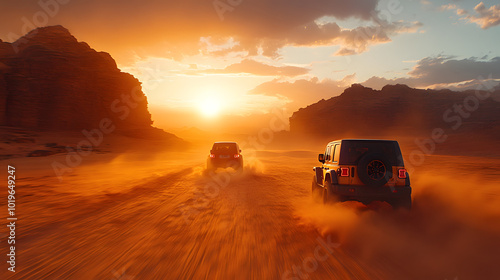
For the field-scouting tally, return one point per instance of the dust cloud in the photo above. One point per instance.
(160, 214)
(451, 232)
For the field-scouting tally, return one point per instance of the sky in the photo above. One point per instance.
(200, 61)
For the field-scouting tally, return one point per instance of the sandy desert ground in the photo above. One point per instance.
(159, 215)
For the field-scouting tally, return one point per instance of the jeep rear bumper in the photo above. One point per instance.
(224, 163)
(367, 194)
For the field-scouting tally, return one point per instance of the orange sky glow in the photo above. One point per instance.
(208, 61)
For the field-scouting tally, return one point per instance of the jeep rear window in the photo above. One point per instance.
(224, 147)
(353, 150)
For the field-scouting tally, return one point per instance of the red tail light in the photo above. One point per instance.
(344, 172)
(402, 173)
(212, 156)
(236, 156)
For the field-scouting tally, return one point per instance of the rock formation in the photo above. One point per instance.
(50, 81)
(362, 111)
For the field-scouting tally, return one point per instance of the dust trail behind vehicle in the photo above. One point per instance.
(179, 222)
(452, 231)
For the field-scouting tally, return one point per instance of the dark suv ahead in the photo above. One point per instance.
(225, 154)
(363, 170)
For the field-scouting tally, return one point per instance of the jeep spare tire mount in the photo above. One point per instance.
(374, 169)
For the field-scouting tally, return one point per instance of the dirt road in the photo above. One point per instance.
(178, 222)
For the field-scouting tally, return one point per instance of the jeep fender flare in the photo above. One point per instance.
(331, 176)
(318, 175)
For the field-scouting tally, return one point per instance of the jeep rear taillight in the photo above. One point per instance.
(236, 156)
(344, 172)
(212, 156)
(402, 173)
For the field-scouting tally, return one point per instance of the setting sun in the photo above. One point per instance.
(210, 106)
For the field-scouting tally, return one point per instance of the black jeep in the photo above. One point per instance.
(363, 170)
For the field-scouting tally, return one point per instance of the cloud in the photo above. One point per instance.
(484, 17)
(250, 66)
(357, 40)
(444, 71)
(352, 41)
(461, 12)
(447, 7)
(481, 84)
(302, 92)
(173, 29)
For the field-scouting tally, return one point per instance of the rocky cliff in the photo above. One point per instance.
(401, 110)
(50, 81)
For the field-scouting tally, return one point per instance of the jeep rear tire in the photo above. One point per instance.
(374, 170)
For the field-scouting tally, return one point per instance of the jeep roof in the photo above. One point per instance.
(353, 149)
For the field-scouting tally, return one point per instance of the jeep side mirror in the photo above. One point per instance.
(240, 150)
(321, 158)
(211, 151)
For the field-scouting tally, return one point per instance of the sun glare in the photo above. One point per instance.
(210, 106)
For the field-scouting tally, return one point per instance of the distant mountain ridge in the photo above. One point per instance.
(50, 81)
(362, 111)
